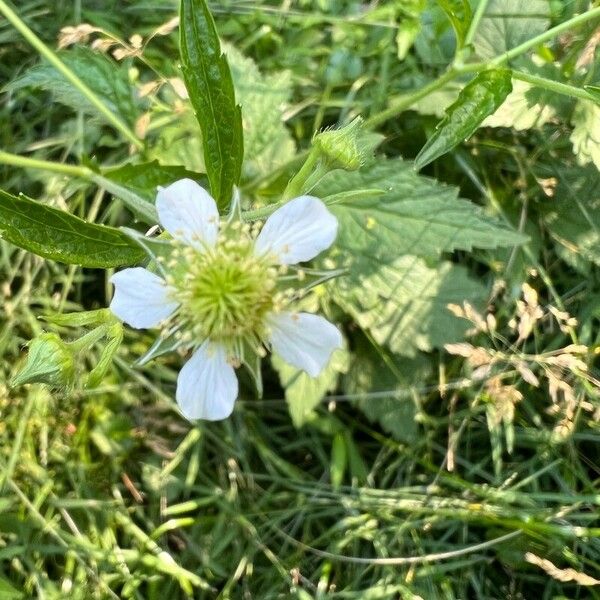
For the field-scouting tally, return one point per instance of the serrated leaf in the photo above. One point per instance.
(508, 23)
(403, 303)
(106, 78)
(302, 392)
(381, 386)
(210, 87)
(61, 236)
(574, 216)
(477, 100)
(412, 214)
(267, 142)
(586, 133)
(180, 141)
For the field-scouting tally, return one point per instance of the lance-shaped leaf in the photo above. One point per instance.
(210, 87)
(61, 236)
(479, 99)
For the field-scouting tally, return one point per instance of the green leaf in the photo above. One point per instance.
(210, 87)
(136, 185)
(586, 133)
(304, 393)
(508, 23)
(403, 303)
(58, 235)
(8, 592)
(574, 216)
(144, 179)
(267, 142)
(525, 107)
(410, 214)
(106, 78)
(439, 100)
(179, 140)
(381, 385)
(138, 205)
(459, 14)
(478, 99)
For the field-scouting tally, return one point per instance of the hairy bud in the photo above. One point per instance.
(341, 148)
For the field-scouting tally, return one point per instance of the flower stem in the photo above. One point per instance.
(410, 99)
(60, 66)
(89, 339)
(295, 186)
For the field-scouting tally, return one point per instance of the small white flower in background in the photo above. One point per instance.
(222, 292)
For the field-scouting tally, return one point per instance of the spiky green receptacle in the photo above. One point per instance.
(224, 292)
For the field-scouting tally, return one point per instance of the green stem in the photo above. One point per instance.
(295, 186)
(410, 99)
(15, 160)
(87, 340)
(554, 86)
(55, 61)
(547, 35)
(460, 69)
(475, 21)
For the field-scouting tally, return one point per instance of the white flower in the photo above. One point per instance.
(221, 290)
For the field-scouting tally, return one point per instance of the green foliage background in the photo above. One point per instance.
(403, 471)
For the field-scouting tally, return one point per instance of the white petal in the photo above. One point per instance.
(305, 341)
(298, 231)
(141, 298)
(207, 386)
(188, 213)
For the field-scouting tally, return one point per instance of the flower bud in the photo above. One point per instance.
(49, 361)
(341, 148)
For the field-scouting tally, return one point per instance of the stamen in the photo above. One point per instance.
(224, 292)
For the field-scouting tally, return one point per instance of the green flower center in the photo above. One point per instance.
(224, 292)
